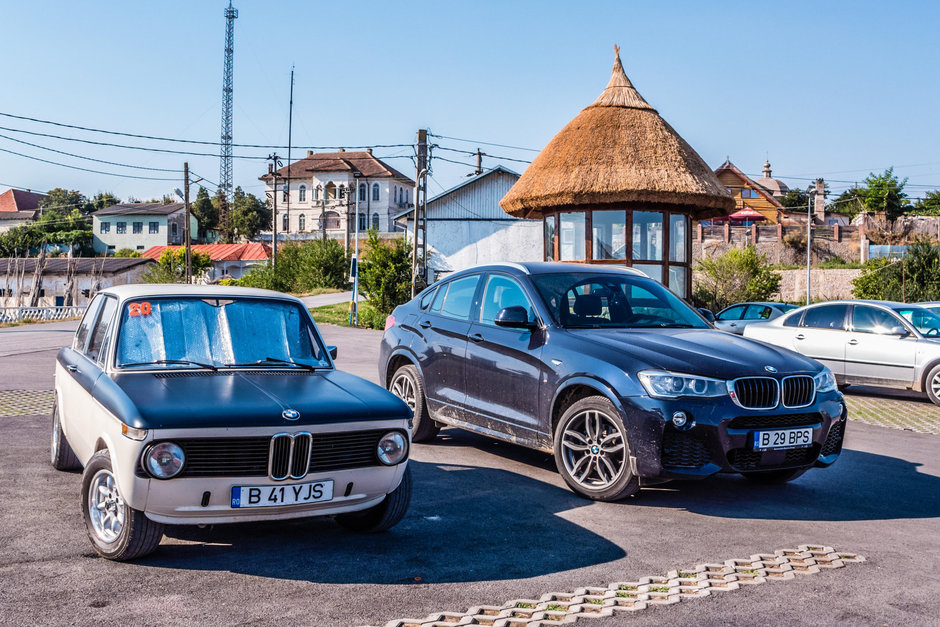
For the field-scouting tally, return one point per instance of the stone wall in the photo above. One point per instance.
(782, 245)
(829, 284)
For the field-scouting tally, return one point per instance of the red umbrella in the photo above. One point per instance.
(747, 214)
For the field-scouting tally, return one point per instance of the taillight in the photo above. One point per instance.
(389, 322)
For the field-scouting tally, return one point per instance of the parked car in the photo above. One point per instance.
(864, 342)
(738, 316)
(626, 384)
(193, 405)
(933, 307)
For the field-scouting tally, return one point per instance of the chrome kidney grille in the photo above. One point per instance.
(289, 455)
(798, 391)
(756, 392)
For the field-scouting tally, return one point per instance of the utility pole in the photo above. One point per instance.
(354, 313)
(421, 187)
(276, 162)
(809, 241)
(479, 169)
(290, 122)
(186, 233)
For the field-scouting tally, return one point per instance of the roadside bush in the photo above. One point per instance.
(385, 274)
(126, 252)
(302, 268)
(738, 275)
(914, 279)
(171, 267)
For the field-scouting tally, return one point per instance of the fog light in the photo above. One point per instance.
(681, 420)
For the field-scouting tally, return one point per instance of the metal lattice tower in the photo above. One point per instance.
(225, 166)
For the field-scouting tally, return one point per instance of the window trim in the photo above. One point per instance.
(533, 302)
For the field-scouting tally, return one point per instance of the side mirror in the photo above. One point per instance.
(515, 317)
(333, 351)
(899, 331)
(707, 314)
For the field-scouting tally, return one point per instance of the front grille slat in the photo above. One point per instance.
(798, 391)
(756, 392)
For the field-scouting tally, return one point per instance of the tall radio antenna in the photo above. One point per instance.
(225, 166)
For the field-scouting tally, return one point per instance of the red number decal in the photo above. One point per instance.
(134, 309)
(145, 308)
(139, 309)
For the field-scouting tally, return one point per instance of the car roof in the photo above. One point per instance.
(890, 304)
(145, 290)
(550, 267)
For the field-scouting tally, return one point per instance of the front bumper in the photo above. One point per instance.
(722, 436)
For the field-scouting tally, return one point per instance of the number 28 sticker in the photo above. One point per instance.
(139, 309)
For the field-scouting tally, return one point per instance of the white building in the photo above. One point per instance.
(466, 226)
(140, 226)
(319, 191)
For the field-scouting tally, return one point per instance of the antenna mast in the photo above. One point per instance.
(225, 166)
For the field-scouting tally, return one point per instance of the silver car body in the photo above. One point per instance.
(735, 318)
(878, 343)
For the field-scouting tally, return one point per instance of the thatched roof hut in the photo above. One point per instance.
(617, 150)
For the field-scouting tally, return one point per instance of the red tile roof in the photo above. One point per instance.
(345, 161)
(251, 251)
(19, 200)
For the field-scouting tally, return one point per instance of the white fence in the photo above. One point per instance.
(21, 314)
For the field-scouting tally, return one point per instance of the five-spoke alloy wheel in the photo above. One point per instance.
(406, 384)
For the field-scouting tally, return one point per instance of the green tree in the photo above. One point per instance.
(795, 198)
(206, 213)
(385, 274)
(848, 203)
(884, 192)
(250, 216)
(55, 226)
(738, 275)
(126, 252)
(102, 200)
(63, 201)
(929, 205)
(171, 266)
(915, 278)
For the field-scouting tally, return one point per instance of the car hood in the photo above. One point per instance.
(704, 352)
(189, 399)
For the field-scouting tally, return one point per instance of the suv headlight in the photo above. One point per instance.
(164, 460)
(825, 380)
(392, 449)
(662, 384)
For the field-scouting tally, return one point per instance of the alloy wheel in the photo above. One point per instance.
(105, 507)
(403, 387)
(593, 450)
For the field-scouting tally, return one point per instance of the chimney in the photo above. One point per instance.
(309, 153)
(819, 202)
(369, 150)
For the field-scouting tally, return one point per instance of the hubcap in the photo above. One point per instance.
(105, 507)
(403, 388)
(593, 450)
(935, 385)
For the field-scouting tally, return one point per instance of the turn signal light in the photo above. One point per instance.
(389, 322)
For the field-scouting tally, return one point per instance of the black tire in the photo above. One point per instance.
(61, 454)
(407, 378)
(137, 535)
(932, 385)
(383, 516)
(608, 475)
(775, 476)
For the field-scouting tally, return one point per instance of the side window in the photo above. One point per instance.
(502, 292)
(81, 336)
(826, 317)
(757, 312)
(793, 320)
(427, 297)
(101, 327)
(459, 297)
(732, 313)
(439, 298)
(873, 320)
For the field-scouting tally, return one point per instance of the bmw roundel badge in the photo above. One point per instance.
(770, 369)
(290, 414)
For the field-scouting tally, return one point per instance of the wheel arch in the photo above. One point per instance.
(400, 357)
(921, 382)
(575, 389)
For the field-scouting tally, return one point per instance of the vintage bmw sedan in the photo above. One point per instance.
(620, 379)
(200, 405)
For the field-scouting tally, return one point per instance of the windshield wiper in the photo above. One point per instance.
(181, 362)
(273, 361)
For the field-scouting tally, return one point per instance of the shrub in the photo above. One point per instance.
(171, 267)
(914, 279)
(126, 252)
(385, 274)
(302, 268)
(738, 275)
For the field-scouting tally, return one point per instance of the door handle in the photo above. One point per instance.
(424, 324)
(853, 342)
(733, 324)
(476, 337)
(72, 368)
(800, 337)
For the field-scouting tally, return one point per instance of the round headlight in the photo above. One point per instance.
(392, 448)
(164, 460)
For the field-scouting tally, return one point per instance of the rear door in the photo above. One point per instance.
(822, 335)
(874, 356)
(728, 319)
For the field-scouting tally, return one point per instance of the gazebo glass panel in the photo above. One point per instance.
(609, 234)
(678, 236)
(647, 235)
(652, 270)
(678, 280)
(571, 233)
(549, 235)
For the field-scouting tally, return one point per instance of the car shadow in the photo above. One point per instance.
(465, 524)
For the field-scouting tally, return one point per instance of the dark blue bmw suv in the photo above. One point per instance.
(625, 383)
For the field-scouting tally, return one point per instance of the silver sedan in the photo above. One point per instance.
(876, 343)
(736, 317)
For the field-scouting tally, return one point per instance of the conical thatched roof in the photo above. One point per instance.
(617, 151)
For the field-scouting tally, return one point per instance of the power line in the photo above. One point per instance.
(471, 141)
(69, 154)
(75, 167)
(485, 154)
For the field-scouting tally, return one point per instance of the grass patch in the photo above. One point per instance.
(623, 587)
(596, 601)
(659, 588)
(338, 314)
(748, 571)
(554, 607)
(317, 291)
(685, 574)
(525, 606)
(626, 595)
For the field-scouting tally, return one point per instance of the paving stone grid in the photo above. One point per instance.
(911, 415)
(556, 608)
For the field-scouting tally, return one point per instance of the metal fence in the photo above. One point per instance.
(892, 251)
(24, 314)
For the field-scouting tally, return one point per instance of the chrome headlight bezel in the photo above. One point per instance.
(825, 381)
(392, 448)
(665, 384)
(163, 460)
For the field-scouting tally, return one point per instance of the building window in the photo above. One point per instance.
(316, 192)
(609, 234)
(140, 248)
(285, 223)
(138, 228)
(571, 236)
(302, 194)
(375, 191)
(332, 220)
(362, 192)
(154, 228)
(173, 230)
(301, 222)
(121, 228)
(105, 227)
(363, 221)
(375, 221)
(648, 237)
(330, 191)
(342, 191)
(749, 193)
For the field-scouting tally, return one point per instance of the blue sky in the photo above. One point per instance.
(833, 89)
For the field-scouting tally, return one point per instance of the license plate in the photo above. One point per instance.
(783, 439)
(278, 495)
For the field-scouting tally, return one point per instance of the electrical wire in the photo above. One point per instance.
(482, 143)
(484, 154)
(75, 167)
(69, 154)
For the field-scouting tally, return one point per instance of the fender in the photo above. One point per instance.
(591, 382)
(920, 383)
(402, 351)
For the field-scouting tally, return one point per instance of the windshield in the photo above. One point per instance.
(925, 321)
(217, 333)
(587, 300)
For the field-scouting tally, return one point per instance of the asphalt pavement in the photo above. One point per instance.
(489, 522)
